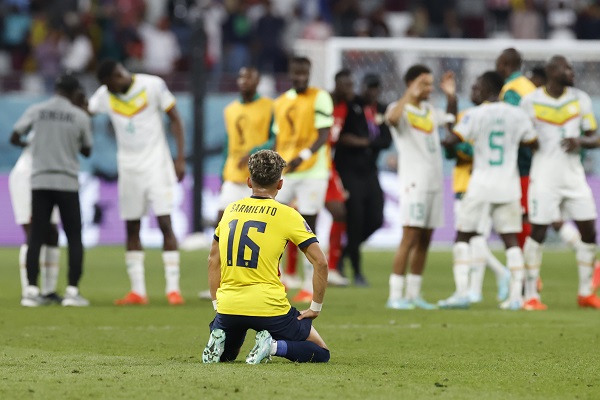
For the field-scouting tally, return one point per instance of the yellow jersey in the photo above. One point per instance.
(464, 164)
(248, 126)
(252, 236)
(298, 118)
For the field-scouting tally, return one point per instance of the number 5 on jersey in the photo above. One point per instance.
(244, 242)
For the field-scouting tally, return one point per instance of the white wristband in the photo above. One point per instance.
(305, 154)
(316, 307)
(214, 304)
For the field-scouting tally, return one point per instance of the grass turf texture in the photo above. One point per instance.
(154, 351)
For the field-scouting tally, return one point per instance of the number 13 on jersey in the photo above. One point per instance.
(244, 243)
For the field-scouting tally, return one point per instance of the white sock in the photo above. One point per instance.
(308, 276)
(50, 256)
(515, 262)
(461, 252)
(72, 291)
(171, 261)
(479, 251)
(585, 252)
(495, 265)
(273, 347)
(413, 286)
(23, 268)
(135, 269)
(532, 252)
(396, 286)
(570, 235)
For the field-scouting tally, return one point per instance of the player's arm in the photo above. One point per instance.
(448, 86)
(384, 139)
(22, 126)
(86, 136)
(589, 139)
(315, 256)
(214, 269)
(461, 132)
(177, 132)
(323, 121)
(347, 137)
(394, 113)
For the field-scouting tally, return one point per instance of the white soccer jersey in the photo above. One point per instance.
(418, 142)
(555, 119)
(137, 117)
(496, 131)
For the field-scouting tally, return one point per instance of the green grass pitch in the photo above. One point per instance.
(153, 352)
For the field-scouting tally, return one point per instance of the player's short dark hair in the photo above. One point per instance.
(372, 80)
(106, 69)
(493, 82)
(414, 72)
(343, 73)
(67, 83)
(266, 167)
(300, 60)
(539, 70)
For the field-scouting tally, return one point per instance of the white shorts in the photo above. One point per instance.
(231, 192)
(139, 191)
(474, 214)
(546, 204)
(422, 209)
(19, 186)
(485, 227)
(309, 194)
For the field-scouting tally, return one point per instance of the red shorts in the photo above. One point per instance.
(524, 191)
(335, 189)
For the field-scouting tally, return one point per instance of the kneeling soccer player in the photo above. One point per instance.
(243, 275)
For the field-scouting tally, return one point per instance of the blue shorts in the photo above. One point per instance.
(283, 327)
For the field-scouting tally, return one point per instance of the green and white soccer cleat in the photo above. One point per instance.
(419, 302)
(455, 302)
(215, 347)
(262, 348)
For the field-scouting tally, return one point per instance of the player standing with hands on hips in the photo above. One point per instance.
(62, 132)
(147, 173)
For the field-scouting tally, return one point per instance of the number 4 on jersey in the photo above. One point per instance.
(244, 242)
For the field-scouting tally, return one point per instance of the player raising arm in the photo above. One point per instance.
(496, 129)
(243, 275)
(414, 125)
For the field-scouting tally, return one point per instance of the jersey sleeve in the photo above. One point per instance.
(166, 99)
(87, 139)
(323, 110)
(512, 97)
(299, 232)
(465, 129)
(217, 232)
(527, 130)
(442, 117)
(24, 124)
(98, 103)
(588, 120)
(527, 106)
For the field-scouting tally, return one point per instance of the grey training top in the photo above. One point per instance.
(61, 131)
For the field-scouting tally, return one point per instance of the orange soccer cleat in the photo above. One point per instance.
(591, 301)
(175, 299)
(534, 304)
(596, 276)
(303, 296)
(132, 298)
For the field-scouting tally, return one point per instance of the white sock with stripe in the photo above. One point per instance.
(135, 269)
(171, 261)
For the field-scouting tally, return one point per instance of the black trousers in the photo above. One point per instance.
(364, 213)
(42, 204)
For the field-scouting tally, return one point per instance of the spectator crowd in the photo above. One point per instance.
(155, 36)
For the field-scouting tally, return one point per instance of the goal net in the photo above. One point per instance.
(391, 57)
